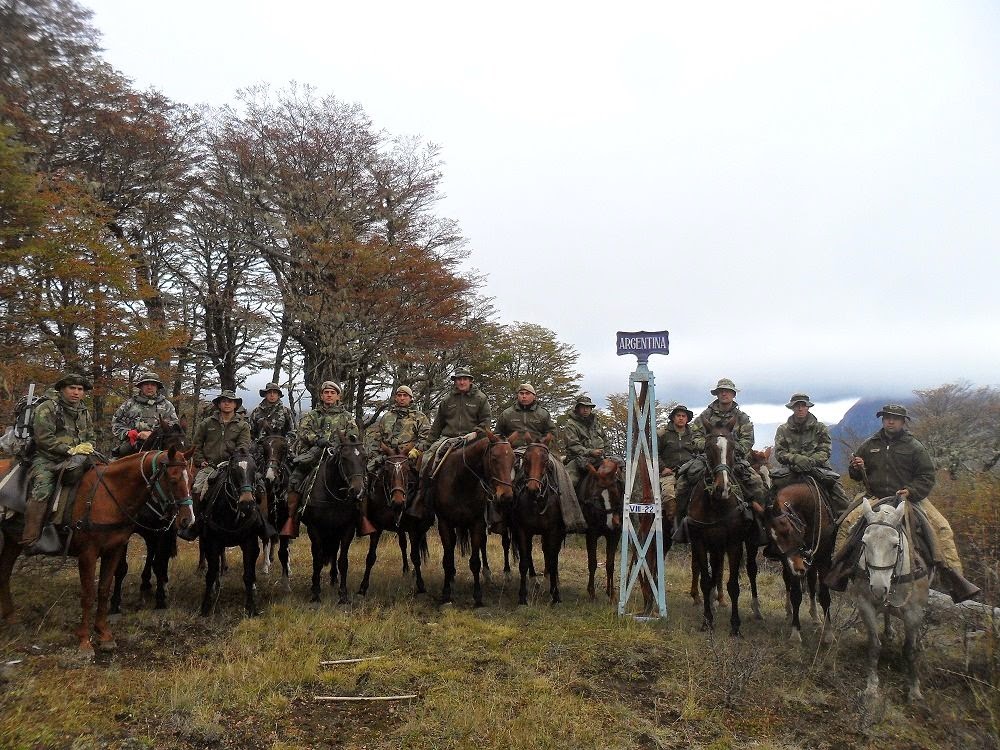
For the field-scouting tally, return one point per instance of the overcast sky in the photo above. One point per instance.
(805, 195)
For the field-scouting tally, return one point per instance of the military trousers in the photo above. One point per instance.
(43, 479)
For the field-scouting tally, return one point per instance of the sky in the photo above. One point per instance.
(804, 194)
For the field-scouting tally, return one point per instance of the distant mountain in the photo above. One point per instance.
(858, 424)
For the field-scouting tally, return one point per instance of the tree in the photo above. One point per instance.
(959, 425)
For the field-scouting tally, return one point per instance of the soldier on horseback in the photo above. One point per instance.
(802, 446)
(137, 417)
(527, 415)
(318, 428)
(584, 440)
(270, 416)
(893, 463)
(62, 428)
(675, 442)
(717, 413)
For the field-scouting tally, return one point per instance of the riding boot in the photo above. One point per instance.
(365, 527)
(416, 508)
(34, 516)
(959, 587)
(291, 527)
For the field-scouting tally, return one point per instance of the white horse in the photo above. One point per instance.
(893, 580)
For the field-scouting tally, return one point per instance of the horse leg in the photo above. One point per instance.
(447, 534)
(794, 588)
(115, 606)
(286, 570)
(163, 545)
(87, 564)
(319, 559)
(342, 562)
(699, 552)
(751, 565)
(146, 579)
(695, 579)
(487, 573)
(614, 538)
(251, 551)
(9, 552)
(475, 564)
(735, 554)
(870, 618)
(418, 541)
(591, 563)
(212, 555)
(401, 536)
(370, 561)
(109, 565)
(811, 579)
(824, 602)
(268, 556)
(912, 617)
(523, 542)
(551, 547)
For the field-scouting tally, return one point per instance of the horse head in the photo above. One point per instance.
(177, 479)
(273, 452)
(884, 553)
(498, 463)
(535, 464)
(720, 450)
(789, 520)
(350, 462)
(394, 475)
(242, 476)
(608, 483)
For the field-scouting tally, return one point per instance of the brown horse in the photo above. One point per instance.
(601, 493)
(468, 477)
(803, 529)
(109, 499)
(389, 490)
(271, 452)
(715, 522)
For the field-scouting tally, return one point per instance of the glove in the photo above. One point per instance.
(322, 443)
(414, 454)
(82, 449)
(597, 453)
(471, 436)
(133, 436)
(802, 463)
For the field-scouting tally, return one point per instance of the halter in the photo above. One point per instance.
(399, 464)
(896, 566)
(336, 452)
(233, 502)
(799, 524)
(544, 485)
(488, 462)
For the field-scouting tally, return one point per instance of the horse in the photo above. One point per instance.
(390, 488)
(803, 529)
(895, 582)
(156, 527)
(461, 484)
(272, 451)
(231, 517)
(536, 510)
(601, 492)
(332, 511)
(109, 499)
(715, 523)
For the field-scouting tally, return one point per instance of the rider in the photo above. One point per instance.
(894, 463)
(401, 425)
(137, 417)
(716, 414)
(527, 415)
(217, 437)
(675, 442)
(270, 416)
(584, 439)
(318, 428)
(802, 446)
(62, 428)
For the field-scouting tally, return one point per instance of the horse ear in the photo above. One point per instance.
(172, 450)
(767, 453)
(188, 453)
(867, 508)
(898, 513)
(591, 469)
(547, 439)
(490, 434)
(387, 450)
(731, 424)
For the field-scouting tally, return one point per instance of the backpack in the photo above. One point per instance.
(19, 440)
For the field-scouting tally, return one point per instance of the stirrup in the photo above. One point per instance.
(48, 542)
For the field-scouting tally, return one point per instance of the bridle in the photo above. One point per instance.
(799, 524)
(488, 461)
(394, 467)
(544, 486)
(336, 453)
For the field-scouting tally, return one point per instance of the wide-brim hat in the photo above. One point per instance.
(681, 407)
(462, 372)
(272, 387)
(331, 384)
(799, 398)
(148, 377)
(527, 387)
(405, 389)
(725, 385)
(231, 395)
(583, 401)
(72, 378)
(893, 410)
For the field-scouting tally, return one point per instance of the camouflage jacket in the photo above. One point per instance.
(743, 432)
(580, 437)
(675, 448)
(215, 442)
(802, 447)
(461, 413)
(58, 426)
(324, 422)
(517, 418)
(895, 462)
(399, 426)
(270, 419)
(141, 413)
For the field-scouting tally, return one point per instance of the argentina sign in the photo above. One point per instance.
(643, 343)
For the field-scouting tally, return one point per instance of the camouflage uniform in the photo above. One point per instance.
(318, 428)
(398, 426)
(517, 418)
(270, 419)
(58, 426)
(581, 436)
(675, 449)
(141, 414)
(805, 450)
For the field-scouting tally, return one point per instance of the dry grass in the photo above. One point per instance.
(571, 676)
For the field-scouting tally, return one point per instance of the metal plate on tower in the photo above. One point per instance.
(643, 343)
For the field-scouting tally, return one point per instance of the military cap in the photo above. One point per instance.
(527, 387)
(798, 398)
(462, 372)
(72, 378)
(272, 387)
(231, 395)
(330, 384)
(893, 410)
(405, 389)
(149, 377)
(681, 407)
(583, 400)
(725, 384)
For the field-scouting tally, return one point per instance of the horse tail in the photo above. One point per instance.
(515, 551)
(464, 541)
(424, 552)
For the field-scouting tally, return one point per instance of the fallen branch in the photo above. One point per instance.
(348, 698)
(349, 661)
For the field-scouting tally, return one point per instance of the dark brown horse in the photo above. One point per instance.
(536, 511)
(601, 493)
(802, 526)
(468, 477)
(272, 458)
(390, 487)
(108, 502)
(715, 522)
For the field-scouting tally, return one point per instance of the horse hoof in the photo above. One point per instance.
(915, 696)
(315, 604)
(735, 633)
(487, 576)
(522, 601)
(114, 616)
(254, 612)
(107, 645)
(285, 585)
(827, 638)
(795, 636)
(478, 605)
(85, 654)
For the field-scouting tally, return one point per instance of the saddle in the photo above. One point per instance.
(14, 488)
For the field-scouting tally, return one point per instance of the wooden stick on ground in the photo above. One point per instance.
(347, 698)
(349, 661)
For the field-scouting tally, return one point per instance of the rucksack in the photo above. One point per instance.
(19, 440)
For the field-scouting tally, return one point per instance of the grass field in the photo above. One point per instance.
(570, 676)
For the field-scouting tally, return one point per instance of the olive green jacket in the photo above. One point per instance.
(517, 418)
(58, 426)
(895, 462)
(215, 442)
(581, 437)
(802, 447)
(675, 448)
(461, 413)
(400, 426)
(743, 433)
(325, 422)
